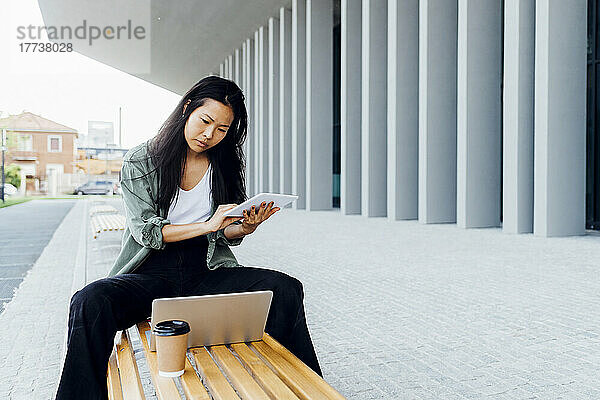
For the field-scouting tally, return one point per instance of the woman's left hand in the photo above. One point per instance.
(255, 217)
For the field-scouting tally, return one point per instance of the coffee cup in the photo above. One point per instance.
(171, 347)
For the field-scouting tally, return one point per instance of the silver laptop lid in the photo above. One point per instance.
(216, 319)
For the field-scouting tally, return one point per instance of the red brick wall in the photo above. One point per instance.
(40, 150)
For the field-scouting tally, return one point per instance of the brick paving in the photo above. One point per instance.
(397, 310)
(401, 310)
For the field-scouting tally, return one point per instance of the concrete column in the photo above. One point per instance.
(226, 63)
(250, 104)
(437, 111)
(373, 109)
(560, 117)
(243, 87)
(246, 74)
(273, 102)
(222, 70)
(257, 112)
(403, 110)
(299, 102)
(479, 136)
(263, 132)
(285, 100)
(230, 67)
(319, 104)
(519, 62)
(236, 66)
(350, 108)
(242, 66)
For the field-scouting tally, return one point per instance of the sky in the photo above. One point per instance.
(72, 89)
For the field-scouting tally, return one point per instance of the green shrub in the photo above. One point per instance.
(12, 175)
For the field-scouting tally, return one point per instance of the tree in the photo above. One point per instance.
(12, 175)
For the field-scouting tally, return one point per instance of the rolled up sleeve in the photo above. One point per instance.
(229, 242)
(142, 218)
(152, 232)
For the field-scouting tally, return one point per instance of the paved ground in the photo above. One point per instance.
(404, 310)
(397, 310)
(25, 230)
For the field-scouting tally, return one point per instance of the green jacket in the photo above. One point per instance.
(144, 220)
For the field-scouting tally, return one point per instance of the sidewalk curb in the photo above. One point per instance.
(78, 276)
(79, 272)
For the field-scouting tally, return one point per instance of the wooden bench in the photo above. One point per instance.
(256, 370)
(105, 218)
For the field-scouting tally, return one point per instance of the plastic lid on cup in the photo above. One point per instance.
(172, 327)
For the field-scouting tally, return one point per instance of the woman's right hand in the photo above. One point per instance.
(219, 220)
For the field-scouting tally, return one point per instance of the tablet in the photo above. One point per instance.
(279, 200)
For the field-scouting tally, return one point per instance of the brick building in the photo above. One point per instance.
(44, 149)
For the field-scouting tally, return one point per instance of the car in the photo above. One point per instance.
(96, 187)
(10, 190)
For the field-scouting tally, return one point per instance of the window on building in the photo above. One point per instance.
(54, 144)
(25, 142)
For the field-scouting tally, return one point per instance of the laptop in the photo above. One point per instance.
(215, 319)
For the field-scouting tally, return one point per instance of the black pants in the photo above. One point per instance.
(105, 306)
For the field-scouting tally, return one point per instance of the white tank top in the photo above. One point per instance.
(194, 205)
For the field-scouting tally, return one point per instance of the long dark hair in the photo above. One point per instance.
(168, 149)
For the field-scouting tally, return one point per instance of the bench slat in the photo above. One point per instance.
(117, 222)
(109, 222)
(121, 222)
(130, 376)
(165, 387)
(113, 380)
(106, 222)
(103, 222)
(301, 385)
(112, 226)
(102, 209)
(192, 386)
(100, 222)
(263, 374)
(218, 386)
(245, 385)
(94, 229)
(303, 368)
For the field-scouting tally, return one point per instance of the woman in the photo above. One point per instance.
(176, 189)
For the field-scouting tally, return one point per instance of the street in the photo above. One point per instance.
(25, 230)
